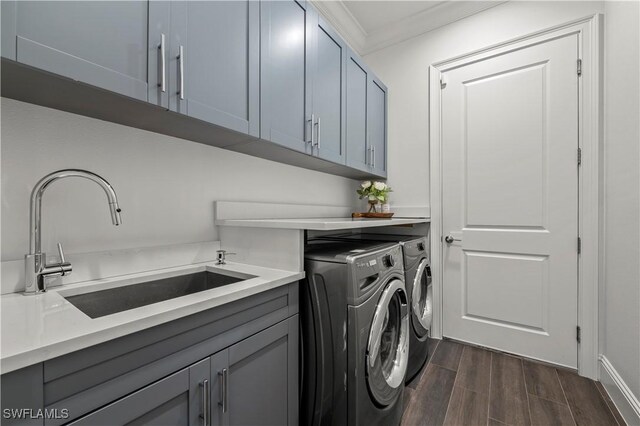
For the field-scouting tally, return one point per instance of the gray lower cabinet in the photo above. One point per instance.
(236, 364)
(328, 56)
(22, 390)
(257, 379)
(170, 401)
(285, 86)
(214, 62)
(111, 45)
(253, 382)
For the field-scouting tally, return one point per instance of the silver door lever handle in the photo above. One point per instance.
(449, 239)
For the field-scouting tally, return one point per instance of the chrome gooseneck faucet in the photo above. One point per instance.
(37, 271)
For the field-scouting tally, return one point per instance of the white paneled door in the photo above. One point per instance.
(510, 201)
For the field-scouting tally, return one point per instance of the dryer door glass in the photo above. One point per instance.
(422, 299)
(387, 350)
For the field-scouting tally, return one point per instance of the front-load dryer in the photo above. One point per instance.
(355, 334)
(417, 269)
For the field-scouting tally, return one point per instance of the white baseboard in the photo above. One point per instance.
(623, 398)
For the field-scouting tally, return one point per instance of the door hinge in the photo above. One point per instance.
(579, 68)
(579, 156)
(578, 334)
(443, 81)
(579, 245)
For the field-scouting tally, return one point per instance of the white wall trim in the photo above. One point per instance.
(344, 22)
(436, 198)
(589, 32)
(423, 22)
(621, 395)
(365, 42)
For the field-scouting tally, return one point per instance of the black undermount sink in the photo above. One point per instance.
(110, 301)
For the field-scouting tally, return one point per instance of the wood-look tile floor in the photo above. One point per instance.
(464, 385)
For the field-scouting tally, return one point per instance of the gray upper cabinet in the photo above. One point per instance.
(328, 56)
(377, 125)
(256, 379)
(111, 45)
(358, 153)
(214, 62)
(285, 102)
(8, 29)
(272, 76)
(366, 122)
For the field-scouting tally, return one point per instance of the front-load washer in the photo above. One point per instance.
(418, 283)
(355, 334)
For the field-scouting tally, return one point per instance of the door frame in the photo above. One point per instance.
(590, 173)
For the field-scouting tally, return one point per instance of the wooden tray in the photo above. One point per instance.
(372, 215)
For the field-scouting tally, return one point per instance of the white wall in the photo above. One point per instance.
(621, 340)
(404, 69)
(166, 186)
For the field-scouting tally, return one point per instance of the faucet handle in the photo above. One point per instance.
(61, 253)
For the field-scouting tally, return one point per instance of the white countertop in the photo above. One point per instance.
(320, 224)
(39, 327)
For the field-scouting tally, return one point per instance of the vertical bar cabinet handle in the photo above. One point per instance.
(206, 403)
(224, 389)
(318, 133)
(163, 66)
(181, 64)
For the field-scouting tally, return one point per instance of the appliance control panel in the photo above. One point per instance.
(383, 261)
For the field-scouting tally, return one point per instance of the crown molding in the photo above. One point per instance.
(344, 22)
(423, 22)
(428, 20)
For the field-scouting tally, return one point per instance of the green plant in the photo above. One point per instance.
(374, 192)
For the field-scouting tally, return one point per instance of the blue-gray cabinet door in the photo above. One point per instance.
(358, 152)
(255, 382)
(328, 53)
(377, 125)
(114, 45)
(285, 87)
(163, 402)
(8, 29)
(214, 65)
(178, 399)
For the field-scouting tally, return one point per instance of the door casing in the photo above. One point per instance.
(590, 259)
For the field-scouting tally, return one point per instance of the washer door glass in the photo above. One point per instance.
(422, 299)
(387, 350)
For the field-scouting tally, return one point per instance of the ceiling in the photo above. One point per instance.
(372, 25)
(375, 15)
